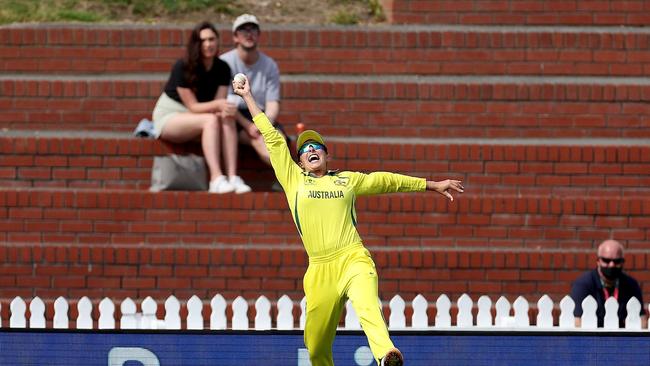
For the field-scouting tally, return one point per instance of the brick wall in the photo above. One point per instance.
(416, 220)
(71, 50)
(94, 161)
(76, 219)
(527, 12)
(344, 107)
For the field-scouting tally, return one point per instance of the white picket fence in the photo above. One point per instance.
(508, 316)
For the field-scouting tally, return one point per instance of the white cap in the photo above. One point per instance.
(244, 19)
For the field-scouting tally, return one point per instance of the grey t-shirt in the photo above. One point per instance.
(264, 77)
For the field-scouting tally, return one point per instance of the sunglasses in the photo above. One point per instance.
(609, 260)
(251, 29)
(313, 145)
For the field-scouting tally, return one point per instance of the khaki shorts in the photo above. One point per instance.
(165, 108)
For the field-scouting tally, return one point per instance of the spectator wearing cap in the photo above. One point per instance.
(605, 281)
(264, 77)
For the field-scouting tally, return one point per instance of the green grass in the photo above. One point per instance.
(374, 11)
(20, 11)
(343, 17)
(345, 12)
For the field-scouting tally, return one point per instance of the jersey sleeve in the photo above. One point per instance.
(385, 182)
(286, 170)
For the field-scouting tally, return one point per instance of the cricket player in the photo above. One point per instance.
(322, 204)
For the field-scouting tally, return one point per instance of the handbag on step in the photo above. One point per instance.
(175, 172)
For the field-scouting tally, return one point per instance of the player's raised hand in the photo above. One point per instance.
(240, 85)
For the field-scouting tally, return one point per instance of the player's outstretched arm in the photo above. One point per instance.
(444, 187)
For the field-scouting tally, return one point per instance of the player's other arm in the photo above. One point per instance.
(384, 182)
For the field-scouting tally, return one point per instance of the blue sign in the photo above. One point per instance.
(241, 348)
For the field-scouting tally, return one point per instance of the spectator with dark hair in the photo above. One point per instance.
(193, 105)
(605, 281)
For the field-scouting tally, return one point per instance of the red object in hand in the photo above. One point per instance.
(300, 127)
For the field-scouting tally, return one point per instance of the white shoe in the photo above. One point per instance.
(238, 184)
(221, 185)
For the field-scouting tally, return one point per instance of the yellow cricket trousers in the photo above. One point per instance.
(348, 273)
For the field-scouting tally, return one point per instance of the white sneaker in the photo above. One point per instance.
(220, 185)
(238, 184)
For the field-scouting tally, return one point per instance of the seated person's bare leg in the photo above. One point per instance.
(230, 144)
(230, 147)
(184, 127)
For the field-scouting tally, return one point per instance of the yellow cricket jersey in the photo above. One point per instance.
(323, 208)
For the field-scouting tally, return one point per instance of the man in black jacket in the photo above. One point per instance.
(608, 280)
